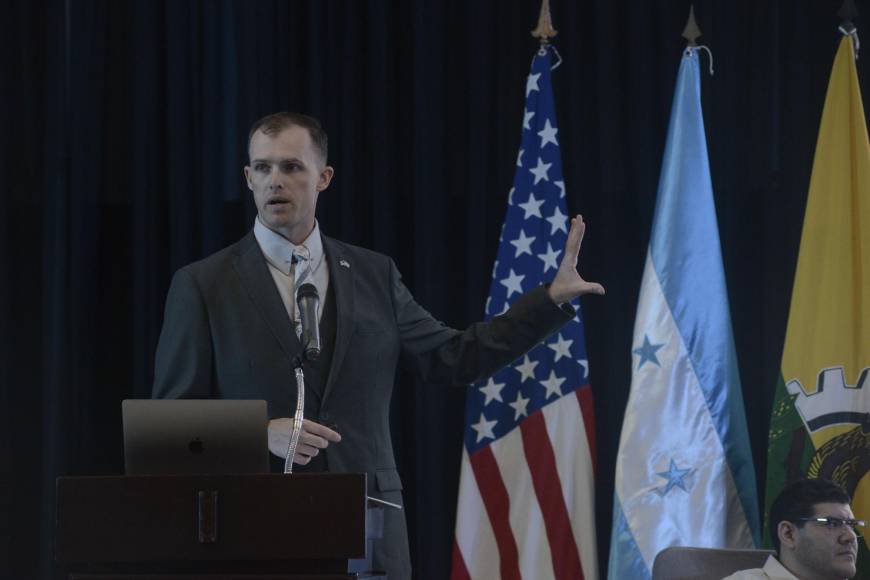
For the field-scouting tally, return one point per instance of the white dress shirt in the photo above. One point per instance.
(772, 570)
(278, 251)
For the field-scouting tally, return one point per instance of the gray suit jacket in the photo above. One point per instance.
(226, 334)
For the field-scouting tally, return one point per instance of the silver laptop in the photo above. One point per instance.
(184, 436)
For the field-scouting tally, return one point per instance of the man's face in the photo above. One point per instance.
(286, 174)
(824, 553)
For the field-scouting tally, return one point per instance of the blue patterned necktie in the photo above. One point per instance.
(300, 270)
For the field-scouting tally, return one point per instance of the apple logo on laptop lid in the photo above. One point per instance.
(196, 446)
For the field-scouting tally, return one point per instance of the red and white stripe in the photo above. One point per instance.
(527, 502)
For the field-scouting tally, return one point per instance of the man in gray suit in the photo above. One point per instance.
(229, 325)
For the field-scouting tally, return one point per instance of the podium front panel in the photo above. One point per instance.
(253, 518)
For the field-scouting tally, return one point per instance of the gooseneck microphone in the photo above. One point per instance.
(308, 302)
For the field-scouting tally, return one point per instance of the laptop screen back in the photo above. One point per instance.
(185, 436)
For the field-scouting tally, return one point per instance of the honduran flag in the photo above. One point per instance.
(684, 473)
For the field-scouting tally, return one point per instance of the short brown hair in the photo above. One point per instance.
(277, 122)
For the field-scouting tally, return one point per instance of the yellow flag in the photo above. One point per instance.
(820, 424)
(829, 319)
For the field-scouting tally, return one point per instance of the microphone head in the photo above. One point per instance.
(308, 301)
(307, 290)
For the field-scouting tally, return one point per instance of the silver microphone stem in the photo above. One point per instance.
(297, 419)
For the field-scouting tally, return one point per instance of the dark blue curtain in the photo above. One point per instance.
(124, 128)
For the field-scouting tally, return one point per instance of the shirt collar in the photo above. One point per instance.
(278, 250)
(775, 570)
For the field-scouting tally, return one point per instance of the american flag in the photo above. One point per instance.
(526, 494)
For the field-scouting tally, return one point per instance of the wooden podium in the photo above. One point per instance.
(304, 526)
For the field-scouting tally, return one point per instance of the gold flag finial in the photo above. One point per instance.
(545, 31)
(691, 32)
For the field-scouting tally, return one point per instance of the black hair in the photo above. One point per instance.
(798, 500)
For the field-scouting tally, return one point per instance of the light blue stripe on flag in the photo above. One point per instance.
(684, 469)
(625, 561)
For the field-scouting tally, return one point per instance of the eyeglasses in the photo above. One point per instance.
(836, 524)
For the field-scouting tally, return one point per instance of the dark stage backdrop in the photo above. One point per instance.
(123, 137)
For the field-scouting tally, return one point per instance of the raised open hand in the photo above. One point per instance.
(568, 284)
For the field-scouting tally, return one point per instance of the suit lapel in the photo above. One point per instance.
(341, 278)
(257, 280)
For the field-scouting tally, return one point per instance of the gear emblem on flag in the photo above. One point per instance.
(837, 418)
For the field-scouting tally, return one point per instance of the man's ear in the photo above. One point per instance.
(247, 171)
(786, 531)
(325, 177)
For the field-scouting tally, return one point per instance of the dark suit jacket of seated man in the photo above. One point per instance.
(228, 329)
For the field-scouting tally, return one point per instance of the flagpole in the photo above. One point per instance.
(684, 444)
(691, 32)
(817, 413)
(848, 12)
(544, 31)
(526, 501)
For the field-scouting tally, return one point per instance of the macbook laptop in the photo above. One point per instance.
(184, 436)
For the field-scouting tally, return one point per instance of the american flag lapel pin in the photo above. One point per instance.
(344, 263)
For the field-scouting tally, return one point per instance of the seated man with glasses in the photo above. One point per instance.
(814, 534)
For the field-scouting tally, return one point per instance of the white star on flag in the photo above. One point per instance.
(520, 406)
(527, 116)
(561, 347)
(513, 283)
(550, 259)
(523, 244)
(558, 221)
(532, 83)
(552, 385)
(520, 158)
(548, 134)
(532, 207)
(584, 363)
(561, 185)
(484, 428)
(540, 172)
(492, 390)
(527, 369)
